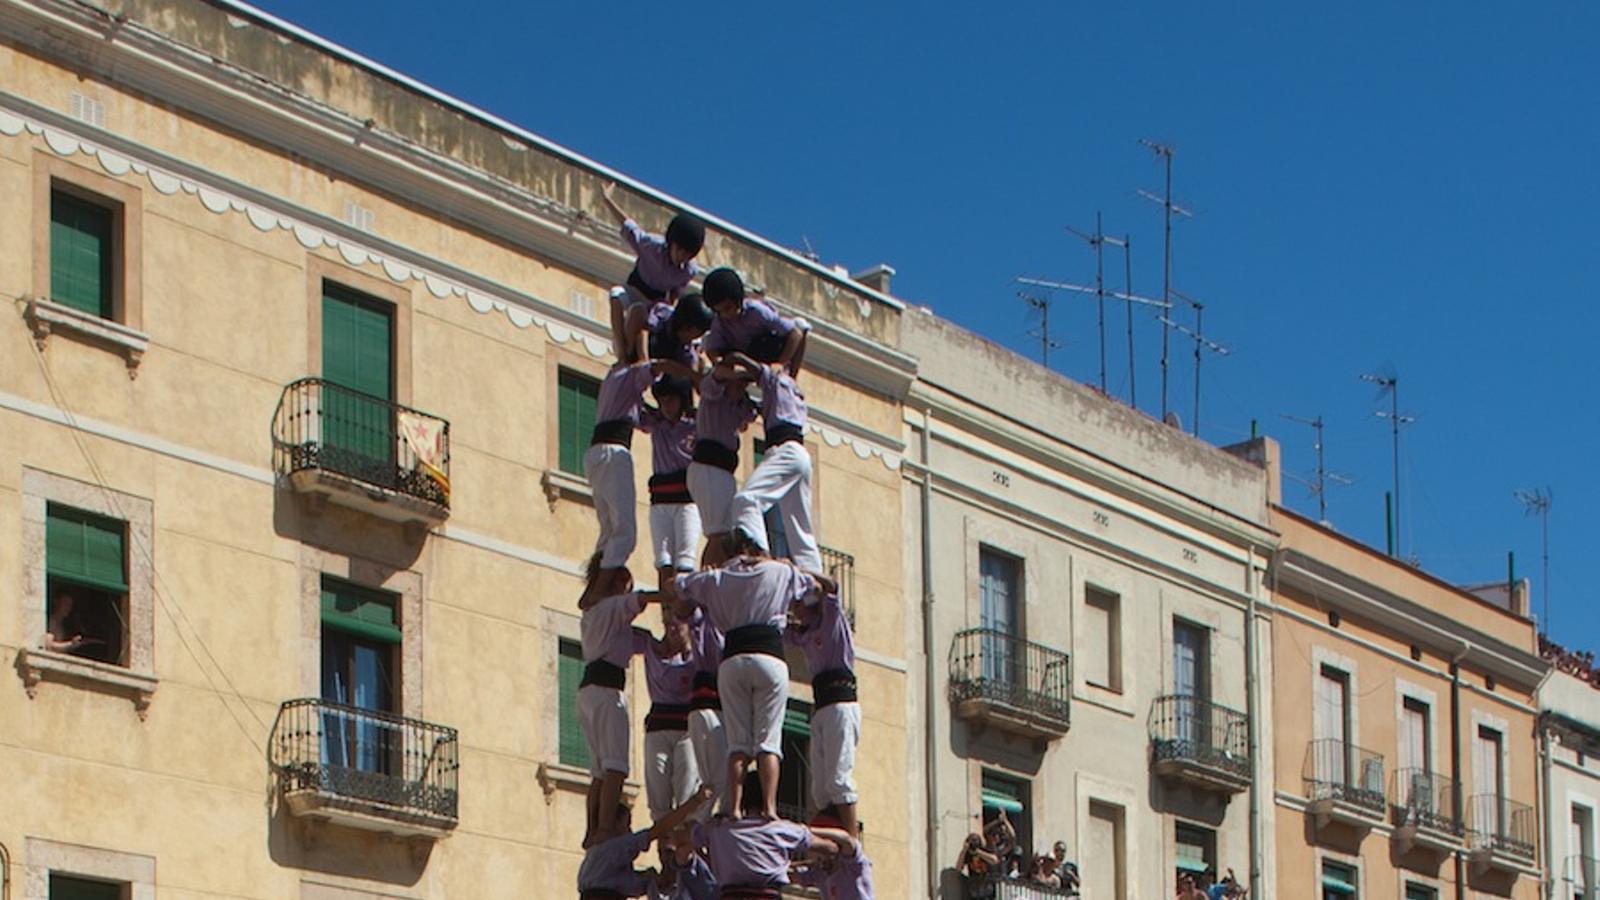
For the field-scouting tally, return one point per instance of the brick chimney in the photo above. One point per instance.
(875, 277)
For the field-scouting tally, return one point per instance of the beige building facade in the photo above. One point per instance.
(1569, 744)
(299, 359)
(1091, 596)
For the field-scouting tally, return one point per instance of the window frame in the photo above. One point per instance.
(135, 872)
(564, 375)
(562, 713)
(404, 585)
(322, 271)
(1113, 636)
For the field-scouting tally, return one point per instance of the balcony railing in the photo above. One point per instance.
(1008, 889)
(841, 567)
(1501, 826)
(382, 448)
(1344, 774)
(1580, 878)
(378, 767)
(1198, 739)
(1001, 678)
(1424, 799)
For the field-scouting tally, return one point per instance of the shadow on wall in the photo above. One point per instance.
(995, 747)
(1187, 801)
(319, 846)
(345, 532)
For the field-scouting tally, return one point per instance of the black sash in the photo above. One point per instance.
(636, 281)
(613, 431)
(783, 433)
(600, 894)
(766, 348)
(716, 453)
(604, 674)
(667, 717)
(765, 640)
(704, 695)
(670, 487)
(749, 892)
(834, 686)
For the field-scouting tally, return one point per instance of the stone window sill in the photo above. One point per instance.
(46, 317)
(558, 484)
(562, 777)
(37, 664)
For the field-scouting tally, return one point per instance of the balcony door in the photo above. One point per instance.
(360, 644)
(999, 581)
(1421, 793)
(1191, 681)
(1488, 780)
(1331, 726)
(357, 423)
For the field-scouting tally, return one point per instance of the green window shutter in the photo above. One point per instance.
(66, 887)
(360, 611)
(81, 254)
(574, 750)
(85, 548)
(357, 341)
(577, 397)
(797, 719)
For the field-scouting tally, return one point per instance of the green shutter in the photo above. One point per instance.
(357, 353)
(574, 750)
(797, 719)
(66, 887)
(577, 397)
(85, 548)
(80, 254)
(360, 611)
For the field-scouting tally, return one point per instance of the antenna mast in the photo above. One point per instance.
(1389, 383)
(1042, 304)
(1201, 342)
(1318, 484)
(1537, 503)
(1127, 290)
(1165, 152)
(1098, 240)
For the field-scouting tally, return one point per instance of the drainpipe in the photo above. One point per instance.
(930, 679)
(1545, 820)
(1252, 677)
(1455, 760)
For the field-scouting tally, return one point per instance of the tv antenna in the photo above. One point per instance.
(1099, 291)
(1388, 383)
(1201, 342)
(1318, 484)
(1537, 503)
(1097, 241)
(1041, 303)
(810, 252)
(1165, 152)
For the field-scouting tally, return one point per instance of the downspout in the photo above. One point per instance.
(1545, 820)
(1252, 677)
(1455, 761)
(930, 679)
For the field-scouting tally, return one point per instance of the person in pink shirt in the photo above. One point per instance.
(670, 773)
(606, 630)
(663, 266)
(750, 855)
(822, 633)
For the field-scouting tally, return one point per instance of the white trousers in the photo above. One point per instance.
(835, 732)
(675, 536)
(710, 755)
(609, 468)
(713, 489)
(671, 774)
(783, 479)
(755, 691)
(603, 713)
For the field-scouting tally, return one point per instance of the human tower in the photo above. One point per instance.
(712, 362)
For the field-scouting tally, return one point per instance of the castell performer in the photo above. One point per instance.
(663, 266)
(822, 633)
(674, 521)
(784, 476)
(751, 854)
(748, 599)
(608, 642)
(725, 410)
(670, 772)
(751, 326)
(607, 872)
(706, 733)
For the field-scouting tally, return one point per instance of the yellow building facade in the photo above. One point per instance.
(327, 623)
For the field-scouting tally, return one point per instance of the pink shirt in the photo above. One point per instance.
(752, 852)
(746, 592)
(607, 628)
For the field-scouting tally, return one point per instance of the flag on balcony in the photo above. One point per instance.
(425, 436)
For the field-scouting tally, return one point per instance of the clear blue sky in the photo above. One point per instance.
(1409, 185)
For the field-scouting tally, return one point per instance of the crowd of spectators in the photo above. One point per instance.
(1205, 886)
(1577, 663)
(996, 856)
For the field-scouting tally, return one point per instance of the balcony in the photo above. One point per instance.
(998, 679)
(1500, 834)
(366, 769)
(1007, 889)
(1425, 812)
(362, 452)
(1343, 784)
(841, 567)
(1200, 742)
(1580, 878)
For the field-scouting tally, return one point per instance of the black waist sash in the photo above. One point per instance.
(834, 686)
(636, 281)
(600, 894)
(667, 717)
(766, 348)
(749, 892)
(613, 431)
(704, 694)
(716, 453)
(783, 433)
(765, 640)
(670, 487)
(604, 674)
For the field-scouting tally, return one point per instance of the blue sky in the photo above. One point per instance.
(1401, 185)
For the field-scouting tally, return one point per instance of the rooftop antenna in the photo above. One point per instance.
(1124, 296)
(1046, 344)
(1388, 383)
(1318, 483)
(1127, 291)
(810, 251)
(1098, 240)
(1201, 342)
(1537, 503)
(1165, 152)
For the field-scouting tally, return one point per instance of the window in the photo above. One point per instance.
(71, 887)
(1010, 795)
(794, 776)
(1102, 649)
(86, 585)
(1415, 891)
(360, 648)
(1196, 849)
(1416, 738)
(1105, 851)
(83, 250)
(577, 397)
(357, 419)
(999, 581)
(1580, 853)
(1339, 881)
(1489, 778)
(1331, 725)
(574, 751)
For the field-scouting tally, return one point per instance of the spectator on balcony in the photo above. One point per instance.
(1067, 871)
(607, 872)
(1227, 889)
(725, 411)
(1188, 889)
(979, 865)
(1001, 838)
(674, 522)
(822, 633)
(670, 774)
(61, 637)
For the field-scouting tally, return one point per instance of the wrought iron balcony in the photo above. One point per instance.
(1000, 679)
(1343, 783)
(1015, 889)
(1200, 742)
(1500, 832)
(1425, 811)
(1580, 878)
(841, 567)
(363, 452)
(365, 768)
